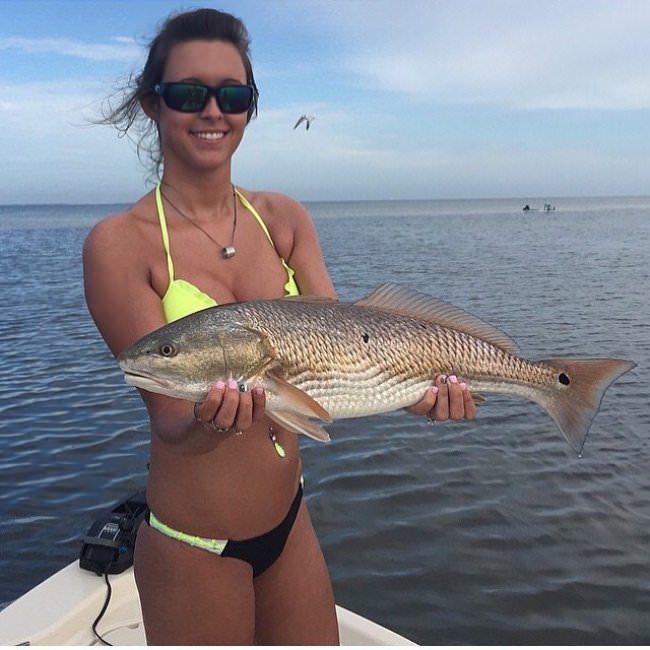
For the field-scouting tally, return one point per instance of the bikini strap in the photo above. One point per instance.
(291, 288)
(249, 206)
(212, 545)
(165, 235)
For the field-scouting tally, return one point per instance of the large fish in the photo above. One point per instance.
(324, 359)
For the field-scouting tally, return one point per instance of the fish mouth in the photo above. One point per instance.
(143, 380)
(161, 386)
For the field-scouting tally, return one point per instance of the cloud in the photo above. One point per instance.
(121, 49)
(23, 103)
(399, 90)
(59, 155)
(334, 160)
(521, 54)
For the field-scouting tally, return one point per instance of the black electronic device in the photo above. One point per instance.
(109, 543)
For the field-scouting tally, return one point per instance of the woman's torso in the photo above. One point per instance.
(242, 487)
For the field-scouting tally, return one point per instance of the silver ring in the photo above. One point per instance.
(214, 427)
(197, 415)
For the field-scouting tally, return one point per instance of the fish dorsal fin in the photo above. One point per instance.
(413, 304)
(308, 299)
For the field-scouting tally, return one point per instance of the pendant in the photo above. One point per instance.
(279, 449)
(228, 252)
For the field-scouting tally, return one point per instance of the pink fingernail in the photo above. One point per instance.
(463, 385)
(220, 385)
(232, 384)
(259, 390)
(452, 379)
(434, 389)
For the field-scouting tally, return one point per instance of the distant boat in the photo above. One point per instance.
(548, 207)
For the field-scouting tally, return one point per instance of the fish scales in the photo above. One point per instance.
(336, 364)
(370, 359)
(326, 359)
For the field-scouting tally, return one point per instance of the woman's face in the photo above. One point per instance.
(207, 139)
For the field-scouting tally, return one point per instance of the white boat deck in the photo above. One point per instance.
(61, 611)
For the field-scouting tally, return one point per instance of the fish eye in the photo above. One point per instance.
(167, 350)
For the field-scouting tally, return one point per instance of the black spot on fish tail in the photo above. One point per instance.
(584, 384)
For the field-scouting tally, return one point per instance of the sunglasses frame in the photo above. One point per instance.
(212, 91)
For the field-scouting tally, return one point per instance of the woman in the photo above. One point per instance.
(229, 555)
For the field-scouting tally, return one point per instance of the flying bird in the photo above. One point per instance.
(307, 119)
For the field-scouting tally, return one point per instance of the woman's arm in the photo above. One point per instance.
(125, 307)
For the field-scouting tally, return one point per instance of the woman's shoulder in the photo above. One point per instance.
(274, 206)
(126, 228)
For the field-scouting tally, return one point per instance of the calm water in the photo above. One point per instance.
(462, 533)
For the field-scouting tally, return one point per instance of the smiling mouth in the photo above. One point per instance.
(211, 136)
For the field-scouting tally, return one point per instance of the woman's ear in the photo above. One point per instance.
(151, 106)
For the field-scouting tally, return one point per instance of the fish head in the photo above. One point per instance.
(184, 358)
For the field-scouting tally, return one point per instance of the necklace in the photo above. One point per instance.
(226, 251)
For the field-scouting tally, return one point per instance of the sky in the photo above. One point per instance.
(420, 99)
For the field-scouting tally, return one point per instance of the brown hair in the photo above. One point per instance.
(201, 24)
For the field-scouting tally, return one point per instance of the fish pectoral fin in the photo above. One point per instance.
(295, 409)
(296, 400)
(298, 423)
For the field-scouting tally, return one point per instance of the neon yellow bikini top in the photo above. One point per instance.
(182, 297)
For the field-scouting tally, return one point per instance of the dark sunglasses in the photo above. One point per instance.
(193, 98)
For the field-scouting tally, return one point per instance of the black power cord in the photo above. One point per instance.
(109, 593)
(108, 546)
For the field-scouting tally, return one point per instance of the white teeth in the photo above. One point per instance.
(209, 135)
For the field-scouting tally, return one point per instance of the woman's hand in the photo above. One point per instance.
(233, 407)
(446, 399)
(230, 406)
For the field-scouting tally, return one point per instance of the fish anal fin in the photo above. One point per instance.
(407, 302)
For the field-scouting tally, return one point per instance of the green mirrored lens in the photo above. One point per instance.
(189, 98)
(235, 99)
(192, 98)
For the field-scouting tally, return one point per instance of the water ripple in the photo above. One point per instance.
(489, 532)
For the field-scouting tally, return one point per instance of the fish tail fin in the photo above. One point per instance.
(583, 385)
